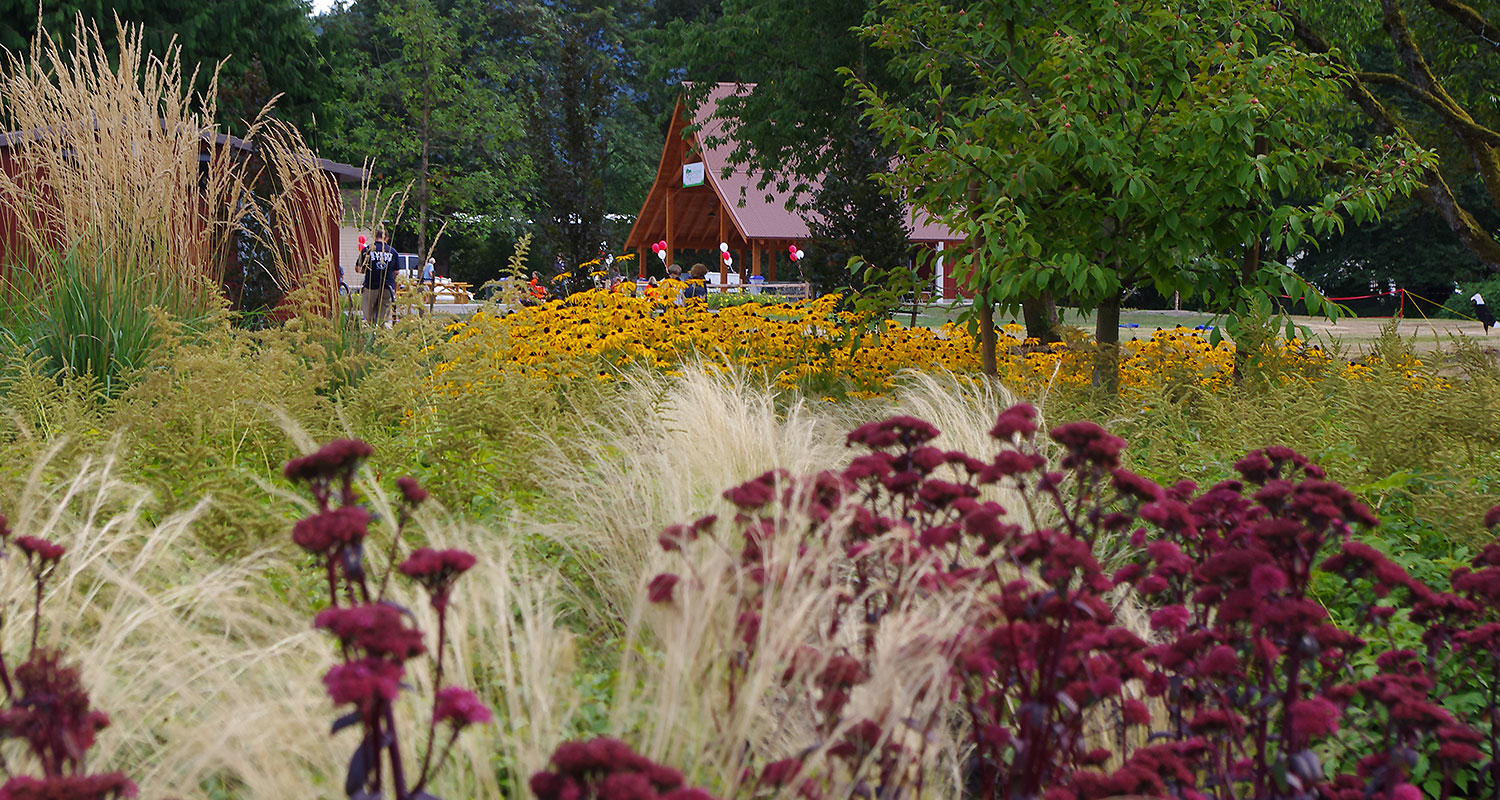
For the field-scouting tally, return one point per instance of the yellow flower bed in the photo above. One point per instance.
(595, 333)
(809, 345)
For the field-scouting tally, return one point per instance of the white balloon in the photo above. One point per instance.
(723, 247)
(661, 254)
(801, 255)
(728, 262)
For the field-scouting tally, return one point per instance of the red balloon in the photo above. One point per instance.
(726, 256)
(791, 248)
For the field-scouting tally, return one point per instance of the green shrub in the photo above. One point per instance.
(1416, 438)
(90, 316)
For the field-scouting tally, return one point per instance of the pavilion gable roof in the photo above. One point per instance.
(758, 213)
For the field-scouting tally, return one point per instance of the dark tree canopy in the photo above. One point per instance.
(272, 45)
(1426, 69)
(800, 123)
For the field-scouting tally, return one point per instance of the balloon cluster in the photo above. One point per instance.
(724, 253)
(796, 255)
(660, 249)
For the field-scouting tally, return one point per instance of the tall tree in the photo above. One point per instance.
(271, 45)
(1425, 69)
(592, 145)
(853, 217)
(795, 127)
(431, 97)
(1090, 147)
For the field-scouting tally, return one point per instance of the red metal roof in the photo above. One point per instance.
(763, 213)
(759, 213)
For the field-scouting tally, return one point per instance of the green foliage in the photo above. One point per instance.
(801, 128)
(727, 300)
(312, 375)
(853, 218)
(1426, 70)
(792, 51)
(423, 93)
(95, 318)
(594, 149)
(1122, 145)
(270, 45)
(1409, 245)
(1419, 442)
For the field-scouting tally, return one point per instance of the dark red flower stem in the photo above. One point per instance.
(390, 555)
(437, 684)
(36, 617)
(333, 581)
(443, 759)
(393, 749)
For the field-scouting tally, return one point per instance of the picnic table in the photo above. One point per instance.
(789, 289)
(426, 293)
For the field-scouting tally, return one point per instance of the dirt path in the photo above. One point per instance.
(1425, 334)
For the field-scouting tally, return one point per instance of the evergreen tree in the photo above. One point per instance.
(271, 45)
(798, 126)
(434, 100)
(592, 144)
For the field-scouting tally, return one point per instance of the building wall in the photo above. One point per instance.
(348, 252)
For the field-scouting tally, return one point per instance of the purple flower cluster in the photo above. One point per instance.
(374, 634)
(436, 570)
(607, 769)
(1242, 688)
(46, 706)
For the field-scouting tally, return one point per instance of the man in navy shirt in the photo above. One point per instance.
(380, 281)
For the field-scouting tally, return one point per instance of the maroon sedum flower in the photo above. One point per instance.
(411, 491)
(326, 530)
(378, 629)
(368, 684)
(41, 548)
(68, 787)
(339, 457)
(460, 708)
(661, 587)
(436, 570)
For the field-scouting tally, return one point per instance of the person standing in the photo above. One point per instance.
(380, 280)
(697, 282)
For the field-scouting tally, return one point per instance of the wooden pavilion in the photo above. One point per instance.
(699, 200)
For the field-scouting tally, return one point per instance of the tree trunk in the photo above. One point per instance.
(985, 306)
(1040, 313)
(987, 336)
(422, 180)
(1249, 265)
(1107, 340)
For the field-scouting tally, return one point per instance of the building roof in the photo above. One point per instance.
(756, 214)
(342, 171)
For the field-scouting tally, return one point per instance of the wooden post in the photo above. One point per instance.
(773, 263)
(669, 238)
(723, 237)
(754, 260)
(642, 257)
